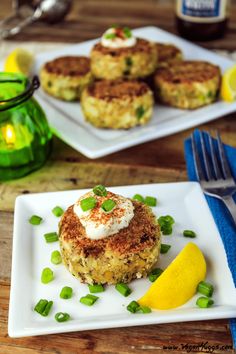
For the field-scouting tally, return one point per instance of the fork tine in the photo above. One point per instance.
(223, 158)
(206, 158)
(215, 163)
(197, 162)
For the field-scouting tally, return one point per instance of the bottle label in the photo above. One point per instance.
(204, 11)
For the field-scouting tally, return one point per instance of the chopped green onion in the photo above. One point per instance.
(110, 35)
(145, 309)
(47, 309)
(189, 233)
(66, 292)
(57, 211)
(138, 197)
(166, 223)
(139, 112)
(56, 257)
(108, 205)
(204, 302)
(100, 190)
(43, 307)
(62, 317)
(165, 248)
(88, 300)
(133, 306)
(35, 220)
(88, 203)
(51, 237)
(127, 32)
(205, 288)
(155, 273)
(151, 201)
(129, 61)
(96, 288)
(47, 275)
(123, 289)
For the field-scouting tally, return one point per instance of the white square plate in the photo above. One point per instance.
(184, 201)
(67, 121)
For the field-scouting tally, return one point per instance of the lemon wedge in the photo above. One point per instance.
(228, 85)
(178, 283)
(19, 61)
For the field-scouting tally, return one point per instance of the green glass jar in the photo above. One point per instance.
(25, 137)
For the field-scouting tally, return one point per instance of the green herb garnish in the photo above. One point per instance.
(139, 112)
(88, 203)
(108, 205)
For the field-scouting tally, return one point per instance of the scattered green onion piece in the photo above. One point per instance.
(88, 300)
(129, 61)
(165, 248)
(167, 230)
(96, 288)
(155, 273)
(62, 317)
(151, 201)
(139, 112)
(204, 302)
(145, 309)
(110, 35)
(88, 203)
(47, 275)
(189, 233)
(133, 306)
(47, 309)
(123, 289)
(166, 223)
(127, 32)
(35, 220)
(100, 190)
(205, 288)
(40, 306)
(57, 211)
(138, 197)
(108, 205)
(66, 292)
(51, 237)
(56, 257)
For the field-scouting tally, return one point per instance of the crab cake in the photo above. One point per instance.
(93, 255)
(188, 84)
(66, 77)
(117, 104)
(168, 54)
(120, 55)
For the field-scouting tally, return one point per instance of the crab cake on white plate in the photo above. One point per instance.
(109, 238)
(117, 104)
(188, 84)
(66, 77)
(120, 55)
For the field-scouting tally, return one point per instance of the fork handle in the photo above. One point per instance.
(230, 204)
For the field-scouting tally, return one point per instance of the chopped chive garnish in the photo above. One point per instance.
(189, 233)
(100, 190)
(123, 289)
(165, 248)
(108, 205)
(43, 307)
(47, 275)
(151, 201)
(66, 292)
(139, 112)
(88, 300)
(56, 257)
(51, 237)
(155, 273)
(128, 61)
(110, 35)
(133, 306)
(138, 197)
(35, 220)
(205, 288)
(204, 302)
(144, 309)
(166, 223)
(88, 203)
(127, 32)
(47, 309)
(96, 288)
(57, 211)
(62, 317)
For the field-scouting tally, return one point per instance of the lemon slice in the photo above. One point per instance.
(228, 85)
(178, 283)
(19, 61)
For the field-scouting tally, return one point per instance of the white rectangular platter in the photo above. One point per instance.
(184, 201)
(67, 121)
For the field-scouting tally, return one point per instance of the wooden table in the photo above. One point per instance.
(157, 161)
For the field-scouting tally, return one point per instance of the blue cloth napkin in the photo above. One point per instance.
(220, 213)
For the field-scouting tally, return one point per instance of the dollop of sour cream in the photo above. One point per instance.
(118, 38)
(99, 224)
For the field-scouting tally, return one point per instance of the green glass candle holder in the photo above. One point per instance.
(25, 137)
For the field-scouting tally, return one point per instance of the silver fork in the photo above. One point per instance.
(213, 172)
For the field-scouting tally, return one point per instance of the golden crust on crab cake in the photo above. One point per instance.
(168, 54)
(188, 84)
(66, 77)
(117, 104)
(129, 254)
